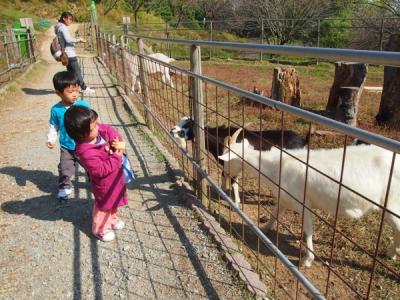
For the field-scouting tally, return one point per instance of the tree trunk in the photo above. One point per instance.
(346, 91)
(389, 109)
(286, 86)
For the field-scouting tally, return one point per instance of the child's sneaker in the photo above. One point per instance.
(63, 194)
(120, 224)
(107, 237)
(87, 90)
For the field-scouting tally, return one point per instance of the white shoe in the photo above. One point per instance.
(107, 237)
(62, 193)
(87, 90)
(120, 224)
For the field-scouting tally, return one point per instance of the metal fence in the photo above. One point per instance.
(314, 188)
(362, 33)
(16, 53)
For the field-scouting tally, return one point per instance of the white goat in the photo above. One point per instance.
(366, 171)
(150, 67)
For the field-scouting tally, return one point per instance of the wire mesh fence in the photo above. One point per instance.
(17, 51)
(323, 203)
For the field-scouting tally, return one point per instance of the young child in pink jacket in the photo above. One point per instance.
(100, 151)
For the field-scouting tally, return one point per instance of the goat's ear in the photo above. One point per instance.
(226, 156)
(246, 142)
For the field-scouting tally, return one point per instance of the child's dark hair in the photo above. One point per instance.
(65, 15)
(77, 121)
(64, 79)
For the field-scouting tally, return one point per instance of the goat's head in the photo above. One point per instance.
(183, 131)
(235, 151)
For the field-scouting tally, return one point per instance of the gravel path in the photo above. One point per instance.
(47, 250)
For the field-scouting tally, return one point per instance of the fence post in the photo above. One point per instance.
(96, 36)
(9, 71)
(109, 52)
(123, 61)
(262, 38)
(30, 45)
(210, 38)
(167, 36)
(318, 34)
(381, 34)
(143, 83)
(114, 44)
(196, 95)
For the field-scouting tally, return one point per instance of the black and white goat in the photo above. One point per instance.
(366, 171)
(216, 136)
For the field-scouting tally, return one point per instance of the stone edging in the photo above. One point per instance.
(229, 248)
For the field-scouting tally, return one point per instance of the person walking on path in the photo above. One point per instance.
(68, 44)
(100, 151)
(66, 87)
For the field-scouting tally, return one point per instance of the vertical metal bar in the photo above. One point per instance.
(211, 39)
(114, 44)
(9, 71)
(381, 34)
(381, 226)
(123, 61)
(143, 82)
(318, 35)
(198, 117)
(262, 38)
(336, 215)
(30, 45)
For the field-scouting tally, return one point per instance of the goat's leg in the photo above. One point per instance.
(307, 260)
(137, 86)
(394, 249)
(274, 217)
(235, 188)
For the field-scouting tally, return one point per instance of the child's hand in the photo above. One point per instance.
(118, 145)
(82, 40)
(50, 145)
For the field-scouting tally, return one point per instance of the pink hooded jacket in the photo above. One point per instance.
(105, 173)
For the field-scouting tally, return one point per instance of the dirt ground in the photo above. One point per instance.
(47, 249)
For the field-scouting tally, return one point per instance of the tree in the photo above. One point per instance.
(215, 9)
(286, 20)
(109, 6)
(135, 6)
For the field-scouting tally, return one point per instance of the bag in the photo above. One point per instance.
(57, 52)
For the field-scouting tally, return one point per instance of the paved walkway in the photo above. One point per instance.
(47, 250)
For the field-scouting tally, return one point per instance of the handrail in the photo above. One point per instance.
(385, 58)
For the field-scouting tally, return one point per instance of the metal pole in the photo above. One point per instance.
(381, 34)
(210, 38)
(114, 42)
(196, 95)
(7, 58)
(318, 34)
(143, 82)
(30, 45)
(262, 38)
(123, 61)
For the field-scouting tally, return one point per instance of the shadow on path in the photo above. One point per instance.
(38, 92)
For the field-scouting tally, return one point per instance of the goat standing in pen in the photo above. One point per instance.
(366, 171)
(184, 132)
(150, 67)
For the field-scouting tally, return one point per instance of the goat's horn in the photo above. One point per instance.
(234, 136)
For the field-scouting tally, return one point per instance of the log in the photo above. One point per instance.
(346, 91)
(389, 108)
(286, 86)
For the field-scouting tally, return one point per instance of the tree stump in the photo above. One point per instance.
(389, 108)
(346, 91)
(286, 86)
